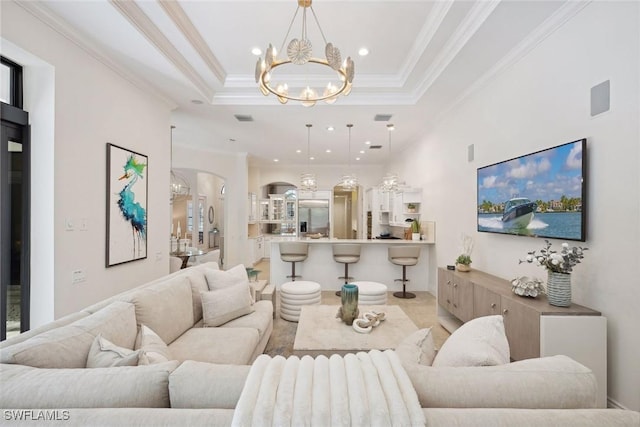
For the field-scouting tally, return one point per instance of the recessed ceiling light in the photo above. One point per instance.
(327, 151)
(357, 158)
(276, 160)
(368, 142)
(196, 101)
(330, 128)
(256, 51)
(363, 51)
(312, 158)
(298, 151)
(361, 151)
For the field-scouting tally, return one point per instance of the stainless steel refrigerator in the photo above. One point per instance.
(313, 217)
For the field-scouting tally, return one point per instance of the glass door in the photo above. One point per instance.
(14, 230)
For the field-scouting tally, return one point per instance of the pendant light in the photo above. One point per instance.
(349, 181)
(308, 179)
(390, 179)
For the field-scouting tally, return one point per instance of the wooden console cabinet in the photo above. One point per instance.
(534, 328)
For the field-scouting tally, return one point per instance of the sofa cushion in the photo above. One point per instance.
(234, 346)
(198, 284)
(218, 279)
(166, 307)
(223, 305)
(105, 354)
(127, 386)
(68, 346)
(417, 348)
(261, 319)
(206, 392)
(479, 342)
(546, 382)
(155, 350)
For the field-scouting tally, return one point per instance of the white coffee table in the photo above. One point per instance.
(320, 332)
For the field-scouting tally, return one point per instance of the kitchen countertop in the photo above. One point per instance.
(323, 240)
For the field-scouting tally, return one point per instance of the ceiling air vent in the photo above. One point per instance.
(375, 147)
(382, 117)
(243, 117)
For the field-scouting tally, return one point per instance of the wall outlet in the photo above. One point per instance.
(69, 224)
(84, 224)
(78, 276)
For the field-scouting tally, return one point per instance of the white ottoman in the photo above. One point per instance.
(294, 295)
(371, 293)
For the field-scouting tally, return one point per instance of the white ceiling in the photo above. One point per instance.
(425, 56)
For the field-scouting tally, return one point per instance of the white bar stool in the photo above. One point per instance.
(404, 256)
(346, 253)
(293, 252)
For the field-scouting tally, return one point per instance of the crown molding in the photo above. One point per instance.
(181, 20)
(136, 16)
(424, 38)
(93, 49)
(468, 27)
(565, 13)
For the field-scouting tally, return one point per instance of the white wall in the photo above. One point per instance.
(542, 101)
(92, 106)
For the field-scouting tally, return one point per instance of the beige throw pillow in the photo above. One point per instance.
(151, 345)
(417, 348)
(479, 342)
(219, 279)
(105, 354)
(223, 305)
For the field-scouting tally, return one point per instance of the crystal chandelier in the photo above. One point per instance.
(299, 52)
(390, 179)
(179, 185)
(308, 180)
(349, 182)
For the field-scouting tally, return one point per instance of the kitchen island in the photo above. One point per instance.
(374, 264)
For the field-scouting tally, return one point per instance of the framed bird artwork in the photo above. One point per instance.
(127, 188)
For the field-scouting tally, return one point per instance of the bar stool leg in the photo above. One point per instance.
(404, 294)
(346, 278)
(293, 272)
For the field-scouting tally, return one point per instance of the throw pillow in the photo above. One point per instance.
(218, 279)
(417, 348)
(153, 348)
(105, 354)
(223, 305)
(479, 342)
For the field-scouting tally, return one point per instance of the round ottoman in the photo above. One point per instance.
(294, 295)
(371, 293)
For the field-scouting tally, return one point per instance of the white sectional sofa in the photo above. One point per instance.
(43, 375)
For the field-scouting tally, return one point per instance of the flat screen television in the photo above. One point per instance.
(542, 194)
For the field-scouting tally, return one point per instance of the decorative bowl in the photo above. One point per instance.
(527, 286)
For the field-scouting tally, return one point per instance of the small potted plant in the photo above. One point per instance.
(464, 259)
(411, 208)
(463, 262)
(415, 229)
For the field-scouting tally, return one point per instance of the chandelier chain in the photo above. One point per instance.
(318, 23)
(289, 30)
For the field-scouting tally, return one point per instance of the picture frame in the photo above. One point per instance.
(126, 205)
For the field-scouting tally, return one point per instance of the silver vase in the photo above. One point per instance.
(559, 289)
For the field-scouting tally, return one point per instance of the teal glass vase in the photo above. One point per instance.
(349, 303)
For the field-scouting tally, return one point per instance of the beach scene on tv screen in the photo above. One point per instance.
(538, 194)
